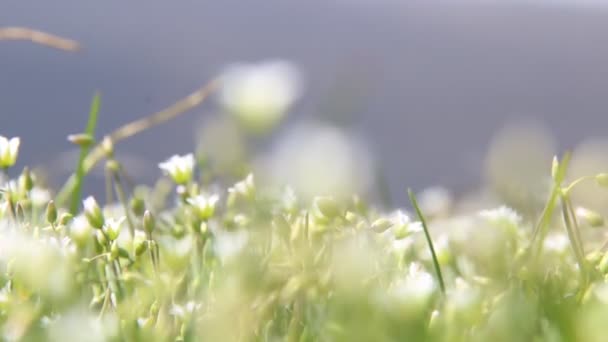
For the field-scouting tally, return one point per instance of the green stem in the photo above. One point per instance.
(428, 239)
(84, 150)
(572, 235)
(123, 200)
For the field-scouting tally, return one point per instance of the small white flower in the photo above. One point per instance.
(435, 201)
(80, 230)
(229, 244)
(179, 168)
(316, 159)
(416, 289)
(259, 95)
(204, 205)
(183, 310)
(40, 196)
(403, 226)
(556, 242)
(245, 188)
(501, 216)
(9, 150)
(112, 227)
(93, 213)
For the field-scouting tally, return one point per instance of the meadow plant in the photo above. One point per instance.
(255, 258)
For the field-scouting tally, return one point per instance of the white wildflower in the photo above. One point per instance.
(179, 168)
(259, 95)
(502, 216)
(93, 213)
(9, 150)
(204, 205)
(320, 160)
(229, 244)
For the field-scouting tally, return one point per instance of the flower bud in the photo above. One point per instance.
(137, 206)
(140, 244)
(93, 213)
(326, 206)
(65, 218)
(81, 139)
(114, 251)
(112, 227)
(26, 181)
(51, 213)
(148, 222)
(113, 166)
(108, 146)
(9, 150)
(592, 218)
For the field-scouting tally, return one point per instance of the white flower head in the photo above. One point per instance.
(81, 230)
(9, 150)
(259, 95)
(502, 216)
(245, 187)
(204, 205)
(40, 196)
(403, 226)
(179, 168)
(317, 159)
(557, 242)
(416, 289)
(93, 213)
(230, 244)
(112, 227)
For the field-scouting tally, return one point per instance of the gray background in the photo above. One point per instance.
(428, 82)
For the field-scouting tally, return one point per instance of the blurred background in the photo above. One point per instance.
(450, 93)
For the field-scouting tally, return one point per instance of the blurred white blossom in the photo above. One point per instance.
(320, 160)
(9, 150)
(259, 95)
(204, 205)
(502, 215)
(179, 168)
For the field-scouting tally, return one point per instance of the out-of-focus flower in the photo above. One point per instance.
(413, 292)
(93, 213)
(435, 201)
(81, 325)
(557, 243)
(39, 196)
(503, 216)
(185, 310)
(229, 244)
(590, 217)
(320, 160)
(244, 188)
(403, 226)
(179, 168)
(259, 95)
(80, 230)
(9, 150)
(112, 227)
(204, 205)
(40, 265)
